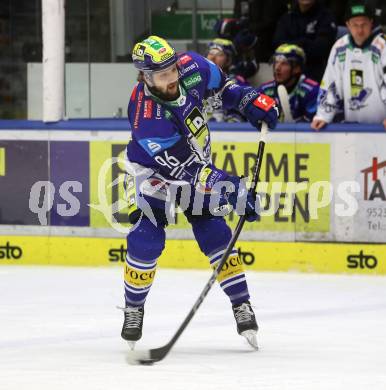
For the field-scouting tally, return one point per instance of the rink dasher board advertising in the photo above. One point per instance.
(298, 171)
(347, 258)
(71, 162)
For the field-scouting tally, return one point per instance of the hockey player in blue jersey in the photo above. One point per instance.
(170, 146)
(222, 52)
(302, 92)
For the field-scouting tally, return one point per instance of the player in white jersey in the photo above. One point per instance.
(355, 78)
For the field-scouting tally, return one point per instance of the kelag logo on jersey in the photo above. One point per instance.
(192, 80)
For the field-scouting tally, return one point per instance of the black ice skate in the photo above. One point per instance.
(246, 322)
(132, 325)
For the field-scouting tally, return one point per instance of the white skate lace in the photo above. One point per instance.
(243, 313)
(133, 317)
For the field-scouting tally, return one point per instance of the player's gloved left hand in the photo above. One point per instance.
(258, 107)
(242, 200)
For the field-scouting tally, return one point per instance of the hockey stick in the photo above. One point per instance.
(155, 355)
(284, 102)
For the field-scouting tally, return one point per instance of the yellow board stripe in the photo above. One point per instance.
(2, 162)
(259, 256)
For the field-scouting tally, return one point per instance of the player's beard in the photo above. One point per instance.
(169, 93)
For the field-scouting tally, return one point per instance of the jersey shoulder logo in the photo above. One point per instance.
(155, 145)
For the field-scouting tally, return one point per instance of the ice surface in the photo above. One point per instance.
(59, 329)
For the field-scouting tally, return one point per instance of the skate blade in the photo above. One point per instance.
(131, 345)
(250, 336)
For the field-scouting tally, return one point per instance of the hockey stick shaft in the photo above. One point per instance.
(285, 104)
(159, 353)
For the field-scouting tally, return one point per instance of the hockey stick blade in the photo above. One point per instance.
(148, 356)
(151, 356)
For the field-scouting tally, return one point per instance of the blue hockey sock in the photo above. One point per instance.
(145, 244)
(231, 277)
(213, 235)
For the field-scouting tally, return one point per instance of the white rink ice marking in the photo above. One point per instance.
(59, 329)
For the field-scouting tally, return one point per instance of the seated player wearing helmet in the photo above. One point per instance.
(171, 147)
(244, 41)
(222, 52)
(288, 64)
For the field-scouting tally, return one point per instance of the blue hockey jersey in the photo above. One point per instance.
(302, 99)
(172, 137)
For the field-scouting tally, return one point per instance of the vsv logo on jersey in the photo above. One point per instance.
(154, 145)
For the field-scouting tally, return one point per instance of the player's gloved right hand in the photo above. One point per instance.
(242, 200)
(258, 107)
